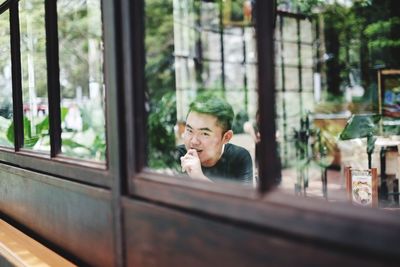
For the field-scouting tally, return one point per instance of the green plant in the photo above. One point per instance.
(161, 134)
(360, 126)
(4, 126)
(240, 118)
(380, 32)
(88, 143)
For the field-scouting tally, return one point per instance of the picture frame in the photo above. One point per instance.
(362, 187)
(389, 93)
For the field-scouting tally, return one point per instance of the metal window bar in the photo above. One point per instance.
(244, 66)
(299, 66)
(198, 59)
(53, 74)
(283, 82)
(16, 76)
(221, 25)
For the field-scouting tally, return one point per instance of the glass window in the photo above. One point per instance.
(201, 81)
(82, 79)
(6, 104)
(347, 52)
(34, 76)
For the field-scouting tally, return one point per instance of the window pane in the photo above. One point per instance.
(34, 75)
(307, 79)
(349, 68)
(290, 54)
(306, 55)
(6, 111)
(307, 31)
(289, 31)
(192, 53)
(292, 78)
(81, 79)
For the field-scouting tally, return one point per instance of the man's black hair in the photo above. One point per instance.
(216, 107)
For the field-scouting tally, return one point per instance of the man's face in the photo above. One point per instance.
(203, 134)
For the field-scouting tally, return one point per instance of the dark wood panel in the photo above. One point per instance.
(159, 236)
(75, 217)
(371, 230)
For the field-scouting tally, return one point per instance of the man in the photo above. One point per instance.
(207, 153)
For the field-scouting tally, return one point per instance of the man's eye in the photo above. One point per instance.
(189, 130)
(205, 134)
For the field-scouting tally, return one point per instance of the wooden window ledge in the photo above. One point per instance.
(19, 249)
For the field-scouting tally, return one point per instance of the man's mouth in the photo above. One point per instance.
(197, 150)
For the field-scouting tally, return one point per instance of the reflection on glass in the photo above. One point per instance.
(6, 110)
(328, 72)
(81, 79)
(33, 73)
(197, 52)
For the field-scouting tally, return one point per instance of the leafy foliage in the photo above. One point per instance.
(159, 45)
(86, 144)
(240, 118)
(359, 37)
(379, 32)
(4, 126)
(161, 122)
(381, 27)
(160, 78)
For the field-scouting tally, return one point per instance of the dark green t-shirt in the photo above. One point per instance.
(235, 164)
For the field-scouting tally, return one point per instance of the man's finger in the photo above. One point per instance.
(186, 167)
(192, 152)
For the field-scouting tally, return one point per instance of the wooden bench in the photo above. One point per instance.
(18, 249)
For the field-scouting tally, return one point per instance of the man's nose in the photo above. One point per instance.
(195, 140)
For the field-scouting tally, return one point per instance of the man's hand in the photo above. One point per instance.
(191, 164)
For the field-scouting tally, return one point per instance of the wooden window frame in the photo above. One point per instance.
(262, 209)
(302, 221)
(90, 172)
(144, 183)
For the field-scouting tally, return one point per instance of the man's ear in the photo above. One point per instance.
(227, 136)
